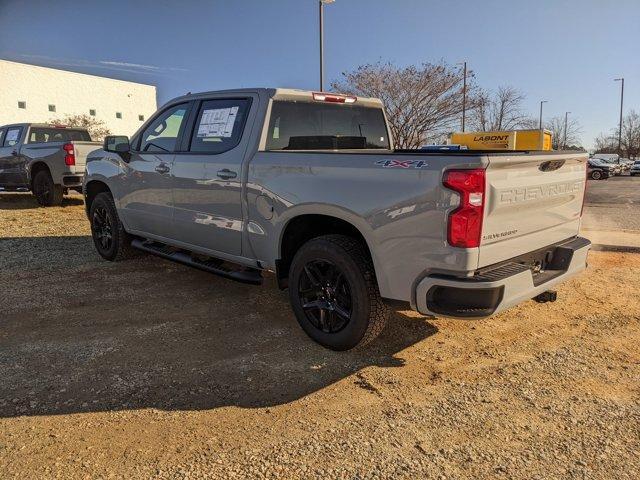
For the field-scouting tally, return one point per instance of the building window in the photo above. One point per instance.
(52, 108)
(22, 104)
(92, 112)
(118, 114)
(141, 118)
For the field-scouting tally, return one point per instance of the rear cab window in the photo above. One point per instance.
(46, 135)
(219, 125)
(306, 125)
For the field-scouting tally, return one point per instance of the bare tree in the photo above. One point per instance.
(501, 110)
(631, 135)
(630, 142)
(423, 103)
(604, 143)
(97, 128)
(556, 126)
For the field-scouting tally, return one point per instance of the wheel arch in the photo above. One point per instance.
(306, 225)
(91, 190)
(35, 168)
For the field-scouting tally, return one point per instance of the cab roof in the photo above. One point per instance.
(280, 94)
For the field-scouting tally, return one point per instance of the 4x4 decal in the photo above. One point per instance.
(402, 163)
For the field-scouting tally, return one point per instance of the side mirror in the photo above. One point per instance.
(116, 144)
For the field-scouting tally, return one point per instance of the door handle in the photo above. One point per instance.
(226, 174)
(14, 153)
(162, 168)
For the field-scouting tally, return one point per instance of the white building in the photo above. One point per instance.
(29, 93)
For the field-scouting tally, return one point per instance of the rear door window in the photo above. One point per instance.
(325, 126)
(46, 135)
(163, 132)
(219, 125)
(12, 137)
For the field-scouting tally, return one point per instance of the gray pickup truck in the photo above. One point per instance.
(47, 160)
(308, 185)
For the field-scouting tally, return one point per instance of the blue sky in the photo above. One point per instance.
(567, 52)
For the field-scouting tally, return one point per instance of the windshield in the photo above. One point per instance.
(325, 126)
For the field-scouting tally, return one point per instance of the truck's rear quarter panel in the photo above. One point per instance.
(401, 212)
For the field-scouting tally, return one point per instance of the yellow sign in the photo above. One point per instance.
(504, 140)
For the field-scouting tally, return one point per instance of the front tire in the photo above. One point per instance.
(334, 293)
(112, 242)
(47, 193)
(596, 175)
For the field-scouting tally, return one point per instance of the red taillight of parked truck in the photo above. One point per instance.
(464, 228)
(70, 156)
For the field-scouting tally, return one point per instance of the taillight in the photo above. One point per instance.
(464, 228)
(70, 157)
(333, 98)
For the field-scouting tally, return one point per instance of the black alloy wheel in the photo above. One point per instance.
(102, 228)
(325, 296)
(41, 188)
(46, 192)
(334, 293)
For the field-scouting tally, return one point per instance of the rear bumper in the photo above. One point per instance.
(493, 290)
(74, 180)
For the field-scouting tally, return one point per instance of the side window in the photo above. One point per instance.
(12, 136)
(162, 134)
(219, 125)
(1, 135)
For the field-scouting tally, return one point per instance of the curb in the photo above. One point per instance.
(601, 247)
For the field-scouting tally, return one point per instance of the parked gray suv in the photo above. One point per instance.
(308, 185)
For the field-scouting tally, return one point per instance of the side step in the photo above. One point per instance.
(211, 265)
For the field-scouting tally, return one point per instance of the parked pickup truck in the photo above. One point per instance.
(48, 160)
(308, 185)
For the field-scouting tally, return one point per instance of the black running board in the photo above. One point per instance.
(215, 266)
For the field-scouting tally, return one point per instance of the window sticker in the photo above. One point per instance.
(217, 122)
(12, 135)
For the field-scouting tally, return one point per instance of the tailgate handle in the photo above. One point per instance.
(550, 165)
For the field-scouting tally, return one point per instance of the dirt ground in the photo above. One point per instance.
(150, 369)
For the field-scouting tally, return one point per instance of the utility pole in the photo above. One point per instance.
(564, 143)
(541, 102)
(321, 17)
(620, 125)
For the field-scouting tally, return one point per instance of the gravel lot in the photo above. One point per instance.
(150, 369)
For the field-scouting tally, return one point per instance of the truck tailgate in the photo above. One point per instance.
(82, 149)
(532, 200)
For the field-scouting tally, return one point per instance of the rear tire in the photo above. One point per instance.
(334, 293)
(47, 193)
(112, 242)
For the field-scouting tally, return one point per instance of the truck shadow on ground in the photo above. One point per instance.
(25, 201)
(86, 335)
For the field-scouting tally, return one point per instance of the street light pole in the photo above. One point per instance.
(620, 125)
(321, 17)
(564, 143)
(541, 102)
